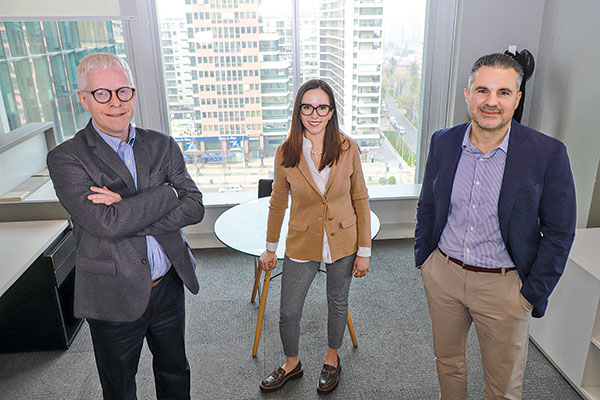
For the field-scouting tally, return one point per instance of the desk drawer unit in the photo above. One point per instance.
(36, 313)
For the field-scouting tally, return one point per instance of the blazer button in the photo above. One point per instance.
(324, 201)
(329, 218)
(144, 261)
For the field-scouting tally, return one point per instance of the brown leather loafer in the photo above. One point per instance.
(279, 378)
(329, 378)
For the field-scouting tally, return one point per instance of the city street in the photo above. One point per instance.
(410, 137)
(211, 177)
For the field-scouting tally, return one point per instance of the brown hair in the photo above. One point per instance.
(332, 143)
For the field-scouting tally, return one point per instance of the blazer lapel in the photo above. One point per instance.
(303, 168)
(335, 166)
(451, 153)
(107, 155)
(142, 163)
(511, 181)
(332, 172)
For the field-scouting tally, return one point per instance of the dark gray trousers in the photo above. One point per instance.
(295, 282)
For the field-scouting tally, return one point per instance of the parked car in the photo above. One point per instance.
(231, 188)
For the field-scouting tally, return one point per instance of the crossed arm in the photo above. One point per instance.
(102, 212)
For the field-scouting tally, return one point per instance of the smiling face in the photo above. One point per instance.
(314, 124)
(112, 118)
(493, 98)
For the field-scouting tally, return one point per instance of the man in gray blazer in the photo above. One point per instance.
(129, 196)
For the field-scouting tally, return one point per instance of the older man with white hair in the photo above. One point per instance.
(129, 196)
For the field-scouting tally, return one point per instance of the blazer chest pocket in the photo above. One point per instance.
(348, 222)
(298, 226)
(102, 267)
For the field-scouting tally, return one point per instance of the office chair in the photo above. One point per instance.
(265, 187)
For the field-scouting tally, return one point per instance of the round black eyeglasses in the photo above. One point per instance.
(322, 109)
(103, 96)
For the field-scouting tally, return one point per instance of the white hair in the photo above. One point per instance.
(97, 61)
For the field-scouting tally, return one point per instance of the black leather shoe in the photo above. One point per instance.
(329, 378)
(279, 378)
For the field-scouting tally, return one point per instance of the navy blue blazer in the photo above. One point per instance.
(536, 208)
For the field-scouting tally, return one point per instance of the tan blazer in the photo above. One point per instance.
(343, 210)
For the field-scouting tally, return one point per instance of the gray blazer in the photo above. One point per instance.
(112, 274)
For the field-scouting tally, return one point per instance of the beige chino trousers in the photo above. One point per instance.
(501, 315)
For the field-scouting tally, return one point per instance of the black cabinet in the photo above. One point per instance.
(36, 312)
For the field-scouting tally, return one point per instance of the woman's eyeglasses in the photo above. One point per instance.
(322, 109)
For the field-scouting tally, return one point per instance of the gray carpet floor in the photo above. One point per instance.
(394, 358)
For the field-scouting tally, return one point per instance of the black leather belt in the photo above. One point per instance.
(475, 268)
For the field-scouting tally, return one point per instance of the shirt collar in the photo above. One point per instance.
(306, 143)
(114, 142)
(466, 144)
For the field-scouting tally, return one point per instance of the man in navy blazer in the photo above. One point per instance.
(495, 222)
(129, 195)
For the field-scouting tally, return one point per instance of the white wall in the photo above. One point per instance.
(565, 96)
(561, 96)
(490, 26)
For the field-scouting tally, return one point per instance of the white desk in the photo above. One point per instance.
(21, 243)
(569, 333)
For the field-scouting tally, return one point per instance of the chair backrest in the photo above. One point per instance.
(265, 187)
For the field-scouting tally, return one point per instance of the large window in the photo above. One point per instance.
(230, 83)
(230, 70)
(38, 62)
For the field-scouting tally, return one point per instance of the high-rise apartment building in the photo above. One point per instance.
(224, 39)
(351, 58)
(241, 81)
(309, 45)
(308, 38)
(276, 84)
(178, 76)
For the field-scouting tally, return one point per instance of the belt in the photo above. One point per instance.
(157, 281)
(475, 268)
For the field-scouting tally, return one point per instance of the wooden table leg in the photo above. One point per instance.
(351, 330)
(261, 311)
(257, 275)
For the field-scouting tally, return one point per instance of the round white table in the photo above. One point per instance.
(244, 229)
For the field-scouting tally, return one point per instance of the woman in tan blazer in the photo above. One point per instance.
(329, 222)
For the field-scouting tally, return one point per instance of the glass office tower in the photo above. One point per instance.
(38, 63)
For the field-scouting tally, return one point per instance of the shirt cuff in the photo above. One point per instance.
(271, 246)
(364, 252)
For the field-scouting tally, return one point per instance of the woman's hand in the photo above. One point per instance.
(267, 260)
(361, 266)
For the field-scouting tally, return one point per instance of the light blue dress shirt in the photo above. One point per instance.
(472, 232)
(157, 258)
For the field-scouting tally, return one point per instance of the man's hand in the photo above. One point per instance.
(172, 187)
(361, 266)
(103, 196)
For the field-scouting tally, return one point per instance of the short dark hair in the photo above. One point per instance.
(499, 60)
